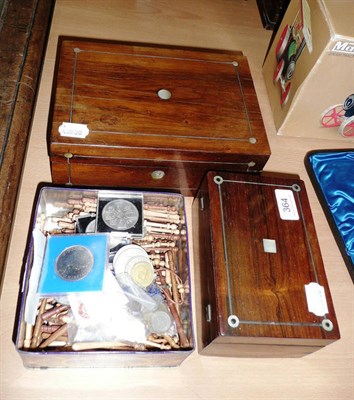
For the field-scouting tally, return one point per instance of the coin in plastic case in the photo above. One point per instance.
(74, 263)
(120, 214)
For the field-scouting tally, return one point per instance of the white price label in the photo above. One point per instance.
(286, 204)
(316, 299)
(306, 20)
(70, 129)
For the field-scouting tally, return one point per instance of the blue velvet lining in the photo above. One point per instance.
(334, 172)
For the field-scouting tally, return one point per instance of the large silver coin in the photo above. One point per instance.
(74, 263)
(120, 214)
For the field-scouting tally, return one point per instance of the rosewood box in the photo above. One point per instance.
(106, 281)
(151, 116)
(260, 281)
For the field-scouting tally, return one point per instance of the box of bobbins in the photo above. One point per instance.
(106, 281)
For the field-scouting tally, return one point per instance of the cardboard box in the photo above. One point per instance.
(261, 289)
(309, 69)
(107, 300)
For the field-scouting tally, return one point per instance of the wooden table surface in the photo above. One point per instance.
(224, 24)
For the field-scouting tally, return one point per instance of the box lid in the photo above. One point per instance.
(269, 275)
(208, 105)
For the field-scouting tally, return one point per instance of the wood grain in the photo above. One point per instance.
(212, 116)
(23, 35)
(264, 290)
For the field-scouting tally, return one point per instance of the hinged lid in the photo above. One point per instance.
(269, 275)
(114, 99)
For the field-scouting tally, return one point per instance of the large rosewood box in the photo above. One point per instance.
(260, 278)
(151, 116)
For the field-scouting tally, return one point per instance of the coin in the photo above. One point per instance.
(120, 214)
(160, 322)
(142, 273)
(74, 263)
(90, 228)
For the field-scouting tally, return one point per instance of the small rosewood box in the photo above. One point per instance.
(151, 116)
(260, 281)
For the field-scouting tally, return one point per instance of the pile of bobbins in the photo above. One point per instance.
(79, 207)
(50, 329)
(165, 243)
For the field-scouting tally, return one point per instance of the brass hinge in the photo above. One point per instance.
(68, 156)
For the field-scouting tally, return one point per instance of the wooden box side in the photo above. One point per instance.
(204, 284)
(259, 347)
(175, 175)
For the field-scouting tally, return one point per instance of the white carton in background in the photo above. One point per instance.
(323, 73)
